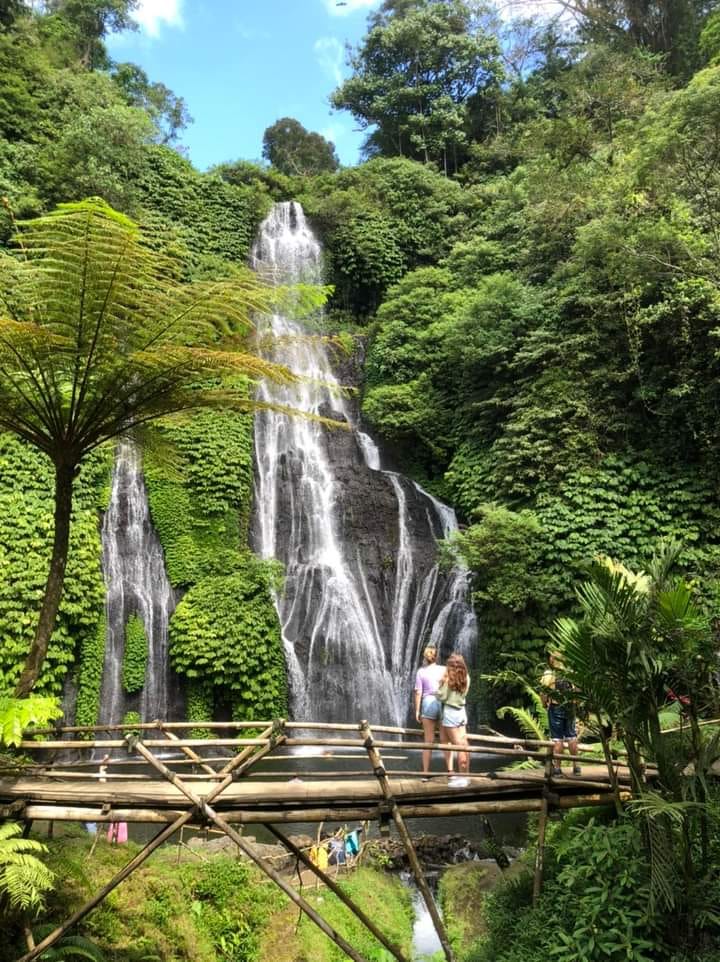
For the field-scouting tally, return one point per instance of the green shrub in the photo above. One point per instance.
(225, 634)
(135, 655)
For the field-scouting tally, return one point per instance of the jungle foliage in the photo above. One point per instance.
(551, 352)
(72, 123)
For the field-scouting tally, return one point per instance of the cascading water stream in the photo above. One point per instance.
(362, 590)
(136, 584)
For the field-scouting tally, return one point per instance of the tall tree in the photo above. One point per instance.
(168, 111)
(10, 10)
(99, 339)
(668, 27)
(292, 149)
(415, 74)
(93, 20)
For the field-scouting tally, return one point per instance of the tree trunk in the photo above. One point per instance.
(64, 474)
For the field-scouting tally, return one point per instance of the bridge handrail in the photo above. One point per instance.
(480, 738)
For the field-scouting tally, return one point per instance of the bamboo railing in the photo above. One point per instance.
(216, 781)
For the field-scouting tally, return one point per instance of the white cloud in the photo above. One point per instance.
(153, 14)
(330, 55)
(341, 8)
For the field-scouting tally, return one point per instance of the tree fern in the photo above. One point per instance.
(24, 879)
(99, 336)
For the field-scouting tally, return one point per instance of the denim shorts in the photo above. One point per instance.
(430, 707)
(453, 717)
(562, 723)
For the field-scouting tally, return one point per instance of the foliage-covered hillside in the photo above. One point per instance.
(530, 249)
(544, 325)
(72, 124)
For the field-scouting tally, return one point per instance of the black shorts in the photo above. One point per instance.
(562, 723)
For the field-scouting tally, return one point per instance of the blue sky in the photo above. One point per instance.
(242, 64)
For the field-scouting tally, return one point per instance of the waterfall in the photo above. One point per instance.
(363, 592)
(136, 584)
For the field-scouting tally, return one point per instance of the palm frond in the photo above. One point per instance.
(527, 722)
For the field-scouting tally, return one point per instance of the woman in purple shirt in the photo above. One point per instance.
(427, 708)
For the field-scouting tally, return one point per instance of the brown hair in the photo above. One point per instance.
(457, 673)
(430, 654)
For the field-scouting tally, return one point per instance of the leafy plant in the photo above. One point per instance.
(109, 343)
(17, 715)
(24, 879)
(135, 655)
(69, 947)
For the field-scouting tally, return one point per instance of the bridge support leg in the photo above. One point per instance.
(421, 881)
(212, 816)
(540, 851)
(343, 896)
(241, 761)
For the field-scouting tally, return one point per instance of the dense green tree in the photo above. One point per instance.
(92, 21)
(168, 111)
(378, 221)
(293, 150)
(671, 29)
(415, 76)
(10, 10)
(97, 339)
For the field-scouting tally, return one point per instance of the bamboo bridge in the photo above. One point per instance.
(216, 781)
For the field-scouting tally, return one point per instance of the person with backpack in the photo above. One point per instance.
(556, 697)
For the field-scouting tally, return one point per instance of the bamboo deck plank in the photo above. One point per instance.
(300, 792)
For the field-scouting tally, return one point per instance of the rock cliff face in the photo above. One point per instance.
(363, 592)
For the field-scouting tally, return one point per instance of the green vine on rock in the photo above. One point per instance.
(26, 522)
(92, 661)
(225, 634)
(135, 655)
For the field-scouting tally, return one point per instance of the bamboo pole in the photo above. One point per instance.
(188, 752)
(311, 726)
(342, 895)
(215, 818)
(55, 746)
(81, 813)
(540, 848)
(540, 851)
(381, 775)
(128, 869)
(235, 764)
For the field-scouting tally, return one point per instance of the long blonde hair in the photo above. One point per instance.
(430, 655)
(457, 673)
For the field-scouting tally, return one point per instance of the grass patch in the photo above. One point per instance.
(384, 899)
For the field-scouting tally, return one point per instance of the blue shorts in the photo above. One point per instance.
(453, 717)
(430, 707)
(562, 723)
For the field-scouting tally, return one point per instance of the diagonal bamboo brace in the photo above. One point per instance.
(342, 895)
(379, 770)
(241, 761)
(212, 816)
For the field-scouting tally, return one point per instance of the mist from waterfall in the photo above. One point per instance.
(363, 592)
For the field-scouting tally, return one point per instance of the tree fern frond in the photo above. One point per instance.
(24, 879)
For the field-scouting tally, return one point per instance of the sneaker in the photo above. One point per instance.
(456, 781)
(576, 769)
(556, 770)
(425, 778)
